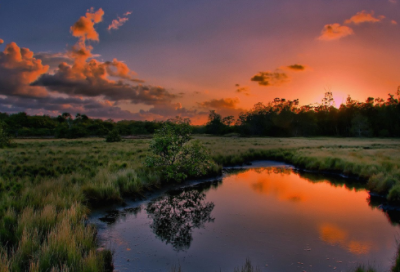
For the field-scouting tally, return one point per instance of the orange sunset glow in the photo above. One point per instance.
(109, 60)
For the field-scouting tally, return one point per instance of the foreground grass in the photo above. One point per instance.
(47, 187)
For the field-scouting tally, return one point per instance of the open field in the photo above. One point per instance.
(47, 187)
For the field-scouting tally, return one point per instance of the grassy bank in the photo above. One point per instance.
(47, 187)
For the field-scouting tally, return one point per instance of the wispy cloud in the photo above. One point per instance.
(120, 21)
(1, 41)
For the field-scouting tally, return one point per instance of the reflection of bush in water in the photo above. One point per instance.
(175, 216)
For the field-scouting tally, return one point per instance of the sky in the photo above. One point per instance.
(157, 59)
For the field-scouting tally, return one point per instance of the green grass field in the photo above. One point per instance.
(47, 187)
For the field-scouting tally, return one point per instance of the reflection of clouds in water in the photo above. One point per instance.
(333, 235)
(357, 247)
(283, 190)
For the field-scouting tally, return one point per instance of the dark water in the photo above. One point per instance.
(281, 220)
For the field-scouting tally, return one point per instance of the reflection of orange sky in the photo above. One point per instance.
(319, 201)
(295, 187)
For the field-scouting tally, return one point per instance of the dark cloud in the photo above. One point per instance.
(93, 82)
(56, 105)
(242, 90)
(229, 103)
(53, 59)
(270, 78)
(296, 67)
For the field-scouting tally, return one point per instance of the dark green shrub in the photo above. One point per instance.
(113, 136)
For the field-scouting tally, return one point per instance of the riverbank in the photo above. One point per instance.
(48, 186)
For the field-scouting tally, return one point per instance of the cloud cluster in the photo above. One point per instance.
(18, 68)
(335, 32)
(120, 21)
(268, 78)
(91, 78)
(78, 81)
(1, 41)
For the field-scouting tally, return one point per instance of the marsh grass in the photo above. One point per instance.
(48, 186)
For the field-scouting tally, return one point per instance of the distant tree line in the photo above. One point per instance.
(67, 126)
(284, 118)
(374, 117)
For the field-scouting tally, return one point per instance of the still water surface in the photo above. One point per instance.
(280, 219)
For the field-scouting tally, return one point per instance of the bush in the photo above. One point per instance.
(394, 194)
(113, 136)
(5, 139)
(175, 155)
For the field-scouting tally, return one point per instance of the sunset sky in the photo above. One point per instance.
(157, 59)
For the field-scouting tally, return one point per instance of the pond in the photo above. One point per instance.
(279, 218)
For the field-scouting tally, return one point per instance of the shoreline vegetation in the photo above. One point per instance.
(48, 187)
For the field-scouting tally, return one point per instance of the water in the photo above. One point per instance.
(280, 219)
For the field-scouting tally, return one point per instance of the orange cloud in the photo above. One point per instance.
(1, 41)
(223, 103)
(84, 27)
(335, 32)
(393, 22)
(364, 17)
(270, 78)
(18, 68)
(119, 69)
